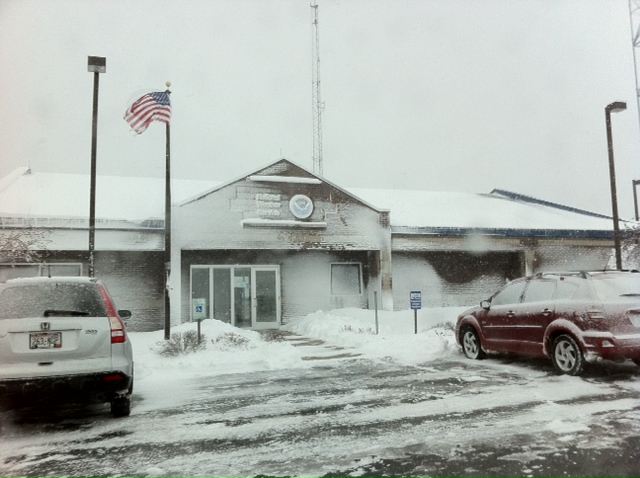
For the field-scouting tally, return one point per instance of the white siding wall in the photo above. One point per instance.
(306, 285)
(213, 230)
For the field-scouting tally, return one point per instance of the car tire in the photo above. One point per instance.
(121, 406)
(566, 355)
(636, 361)
(471, 344)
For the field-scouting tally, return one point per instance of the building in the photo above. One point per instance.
(282, 242)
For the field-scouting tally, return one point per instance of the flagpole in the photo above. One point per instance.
(156, 106)
(167, 232)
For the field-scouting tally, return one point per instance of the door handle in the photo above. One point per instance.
(511, 314)
(546, 311)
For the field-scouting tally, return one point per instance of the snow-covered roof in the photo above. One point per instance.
(28, 194)
(420, 209)
(25, 193)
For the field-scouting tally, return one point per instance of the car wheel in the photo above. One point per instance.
(636, 361)
(121, 406)
(471, 344)
(566, 356)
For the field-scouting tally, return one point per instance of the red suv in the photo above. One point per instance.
(571, 318)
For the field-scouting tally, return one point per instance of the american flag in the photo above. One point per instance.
(150, 107)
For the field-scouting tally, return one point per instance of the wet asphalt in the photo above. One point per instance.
(349, 417)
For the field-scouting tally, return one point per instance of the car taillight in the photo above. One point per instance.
(118, 336)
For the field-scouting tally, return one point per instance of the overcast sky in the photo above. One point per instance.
(448, 95)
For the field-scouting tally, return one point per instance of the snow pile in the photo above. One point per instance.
(251, 354)
(395, 339)
(232, 350)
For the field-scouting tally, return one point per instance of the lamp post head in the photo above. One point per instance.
(97, 64)
(616, 107)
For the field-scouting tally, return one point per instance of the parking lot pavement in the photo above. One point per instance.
(355, 417)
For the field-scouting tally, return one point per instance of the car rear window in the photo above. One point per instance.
(616, 286)
(55, 299)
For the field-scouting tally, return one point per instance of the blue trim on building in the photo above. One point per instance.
(506, 233)
(532, 200)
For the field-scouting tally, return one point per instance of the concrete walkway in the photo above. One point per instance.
(314, 349)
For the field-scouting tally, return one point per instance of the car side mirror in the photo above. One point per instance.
(485, 304)
(124, 314)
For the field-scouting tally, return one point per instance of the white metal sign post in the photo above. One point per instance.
(415, 298)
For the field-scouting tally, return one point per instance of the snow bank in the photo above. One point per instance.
(353, 329)
(253, 353)
(396, 337)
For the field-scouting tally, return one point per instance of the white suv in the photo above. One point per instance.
(62, 339)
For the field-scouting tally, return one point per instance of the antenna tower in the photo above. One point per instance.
(317, 104)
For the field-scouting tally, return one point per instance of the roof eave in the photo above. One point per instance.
(503, 232)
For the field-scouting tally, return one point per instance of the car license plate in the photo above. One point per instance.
(47, 340)
(635, 319)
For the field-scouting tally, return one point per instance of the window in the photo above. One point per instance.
(614, 286)
(509, 295)
(7, 271)
(199, 293)
(346, 279)
(36, 300)
(565, 290)
(539, 290)
(222, 294)
(241, 295)
(13, 271)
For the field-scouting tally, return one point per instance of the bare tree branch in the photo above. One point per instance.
(23, 245)
(631, 244)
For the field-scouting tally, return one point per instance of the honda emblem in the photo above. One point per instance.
(45, 325)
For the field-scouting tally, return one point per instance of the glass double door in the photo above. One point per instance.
(243, 296)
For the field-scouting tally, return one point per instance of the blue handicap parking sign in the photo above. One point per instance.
(415, 298)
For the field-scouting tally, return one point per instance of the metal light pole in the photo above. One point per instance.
(615, 107)
(95, 65)
(634, 183)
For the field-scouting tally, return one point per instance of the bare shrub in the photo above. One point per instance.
(348, 328)
(231, 340)
(182, 343)
(445, 325)
(272, 336)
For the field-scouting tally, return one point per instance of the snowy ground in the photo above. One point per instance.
(353, 329)
(245, 406)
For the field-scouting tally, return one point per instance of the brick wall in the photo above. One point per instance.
(136, 282)
(448, 278)
(571, 258)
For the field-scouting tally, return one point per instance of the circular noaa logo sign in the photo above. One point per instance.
(301, 206)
